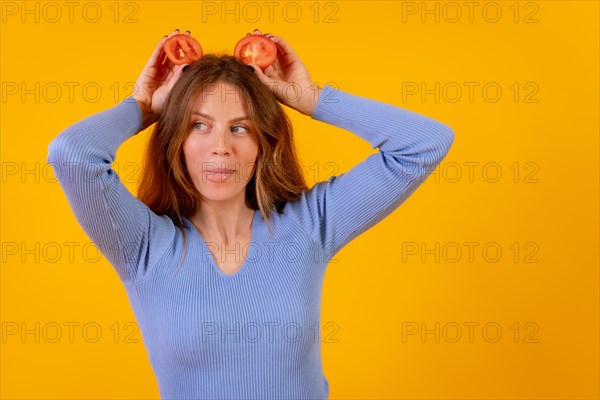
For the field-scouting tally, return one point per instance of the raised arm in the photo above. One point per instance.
(119, 224)
(82, 157)
(411, 145)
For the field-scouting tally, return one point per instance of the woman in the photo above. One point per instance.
(224, 253)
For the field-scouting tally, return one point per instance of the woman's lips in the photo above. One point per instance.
(219, 176)
(215, 170)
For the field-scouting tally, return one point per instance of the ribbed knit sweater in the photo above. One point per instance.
(253, 334)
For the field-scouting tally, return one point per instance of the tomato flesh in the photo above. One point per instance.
(182, 49)
(256, 49)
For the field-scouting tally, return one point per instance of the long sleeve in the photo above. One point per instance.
(118, 223)
(411, 145)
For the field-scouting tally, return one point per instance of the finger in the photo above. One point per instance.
(269, 71)
(156, 58)
(257, 31)
(174, 76)
(167, 64)
(261, 75)
(283, 46)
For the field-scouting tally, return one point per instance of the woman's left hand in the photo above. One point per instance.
(289, 79)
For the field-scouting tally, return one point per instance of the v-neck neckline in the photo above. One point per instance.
(212, 260)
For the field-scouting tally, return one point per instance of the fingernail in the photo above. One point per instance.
(165, 36)
(185, 68)
(250, 67)
(177, 29)
(188, 32)
(255, 30)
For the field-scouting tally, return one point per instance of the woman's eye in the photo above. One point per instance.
(197, 125)
(244, 129)
(236, 129)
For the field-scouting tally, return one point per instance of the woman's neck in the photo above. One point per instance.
(223, 224)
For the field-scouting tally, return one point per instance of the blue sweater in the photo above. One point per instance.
(254, 334)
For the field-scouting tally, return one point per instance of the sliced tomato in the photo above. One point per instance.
(183, 49)
(256, 49)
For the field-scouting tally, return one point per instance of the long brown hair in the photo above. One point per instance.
(166, 186)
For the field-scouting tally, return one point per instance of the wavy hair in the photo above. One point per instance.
(166, 186)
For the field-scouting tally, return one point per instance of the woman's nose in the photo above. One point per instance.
(221, 144)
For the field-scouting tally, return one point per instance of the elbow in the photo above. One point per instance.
(449, 140)
(63, 152)
(70, 163)
(443, 141)
(60, 156)
(437, 149)
(64, 147)
(446, 139)
(422, 157)
(57, 150)
(54, 150)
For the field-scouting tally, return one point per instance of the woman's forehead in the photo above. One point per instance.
(221, 92)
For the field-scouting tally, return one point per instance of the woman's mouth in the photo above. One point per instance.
(216, 170)
(219, 175)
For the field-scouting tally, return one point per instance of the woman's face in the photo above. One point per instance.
(221, 139)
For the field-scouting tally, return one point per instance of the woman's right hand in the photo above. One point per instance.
(288, 70)
(155, 82)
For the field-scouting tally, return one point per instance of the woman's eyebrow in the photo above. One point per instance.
(243, 117)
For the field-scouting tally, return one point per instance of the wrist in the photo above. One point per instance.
(148, 117)
(310, 100)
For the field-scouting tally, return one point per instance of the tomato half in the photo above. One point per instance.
(256, 49)
(183, 49)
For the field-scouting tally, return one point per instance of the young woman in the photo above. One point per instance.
(224, 251)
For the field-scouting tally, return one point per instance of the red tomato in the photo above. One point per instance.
(183, 49)
(256, 49)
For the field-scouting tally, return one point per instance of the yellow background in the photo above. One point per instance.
(549, 210)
